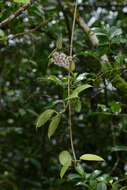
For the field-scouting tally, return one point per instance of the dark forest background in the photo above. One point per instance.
(28, 159)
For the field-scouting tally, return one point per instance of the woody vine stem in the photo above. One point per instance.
(69, 84)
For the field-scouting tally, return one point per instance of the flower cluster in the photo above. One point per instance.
(61, 59)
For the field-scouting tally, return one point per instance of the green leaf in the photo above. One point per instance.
(91, 157)
(65, 157)
(22, 112)
(115, 107)
(64, 169)
(73, 176)
(80, 183)
(119, 148)
(118, 40)
(120, 59)
(95, 174)
(44, 117)
(76, 92)
(78, 106)
(53, 125)
(114, 31)
(22, 1)
(59, 42)
(80, 169)
(81, 88)
(101, 186)
(72, 96)
(93, 183)
(2, 34)
(32, 112)
(52, 78)
(100, 31)
(116, 187)
(81, 77)
(72, 66)
(105, 66)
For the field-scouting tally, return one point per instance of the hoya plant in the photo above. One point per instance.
(72, 86)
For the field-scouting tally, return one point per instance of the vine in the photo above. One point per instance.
(73, 87)
(69, 83)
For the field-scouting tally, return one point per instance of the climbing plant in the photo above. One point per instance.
(67, 61)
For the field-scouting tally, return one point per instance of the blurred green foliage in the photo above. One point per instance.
(28, 160)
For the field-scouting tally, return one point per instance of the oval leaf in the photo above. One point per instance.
(80, 169)
(91, 157)
(78, 106)
(2, 34)
(81, 88)
(64, 169)
(101, 186)
(65, 157)
(76, 92)
(115, 107)
(81, 77)
(72, 96)
(53, 125)
(119, 148)
(22, 1)
(44, 117)
(71, 66)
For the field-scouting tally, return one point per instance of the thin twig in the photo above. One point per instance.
(80, 21)
(119, 181)
(12, 36)
(15, 14)
(73, 28)
(69, 84)
(124, 188)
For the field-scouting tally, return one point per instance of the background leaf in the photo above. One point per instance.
(115, 107)
(80, 169)
(101, 186)
(2, 34)
(119, 148)
(52, 78)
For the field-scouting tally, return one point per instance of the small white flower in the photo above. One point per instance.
(61, 59)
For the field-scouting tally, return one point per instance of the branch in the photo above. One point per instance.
(93, 38)
(12, 36)
(69, 82)
(15, 14)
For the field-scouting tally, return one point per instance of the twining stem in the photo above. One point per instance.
(73, 29)
(69, 84)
